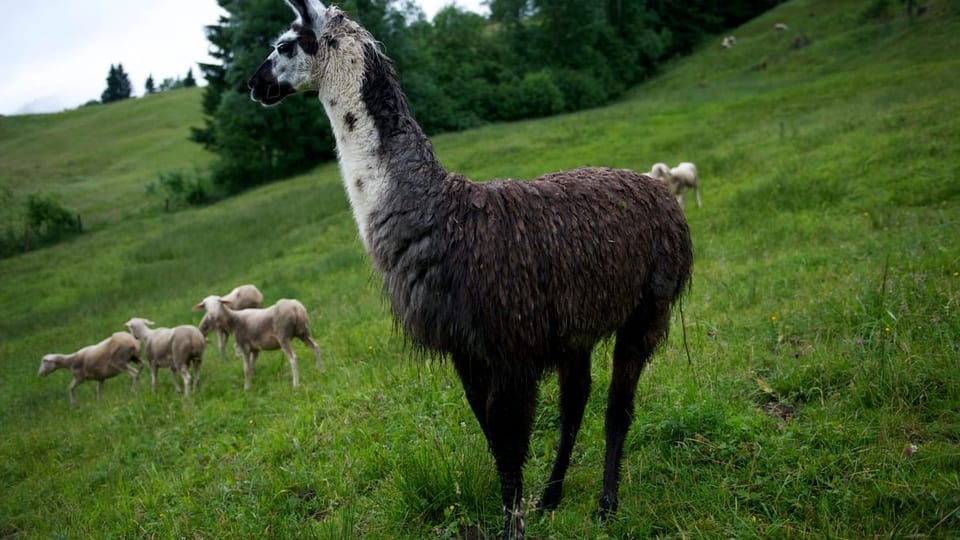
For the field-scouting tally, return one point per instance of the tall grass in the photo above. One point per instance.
(822, 398)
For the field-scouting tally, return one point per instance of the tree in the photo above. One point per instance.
(118, 85)
(189, 81)
(148, 86)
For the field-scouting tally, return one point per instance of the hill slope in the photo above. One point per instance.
(822, 398)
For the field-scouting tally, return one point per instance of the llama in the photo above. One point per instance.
(510, 280)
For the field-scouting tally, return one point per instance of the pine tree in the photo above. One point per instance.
(118, 85)
(148, 86)
(189, 81)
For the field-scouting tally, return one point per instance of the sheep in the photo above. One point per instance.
(256, 330)
(99, 362)
(728, 42)
(780, 27)
(509, 280)
(242, 297)
(679, 179)
(180, 348)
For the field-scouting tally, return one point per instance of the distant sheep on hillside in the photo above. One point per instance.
(679, 179)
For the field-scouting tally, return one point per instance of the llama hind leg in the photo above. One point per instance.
(510, 409)
(574, 380)
(636, 342)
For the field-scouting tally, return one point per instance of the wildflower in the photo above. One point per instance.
(955, 274)
(910, 450)
(886, 328)
(773, 318)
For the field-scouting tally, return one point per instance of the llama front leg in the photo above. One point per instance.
(574, 380)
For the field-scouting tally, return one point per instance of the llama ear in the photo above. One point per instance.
(309, 12)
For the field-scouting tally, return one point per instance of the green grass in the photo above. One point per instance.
(822, 325)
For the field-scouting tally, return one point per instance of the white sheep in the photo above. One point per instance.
(728, 42)
(780, 27)
(256, 330)
(180, 348)
(242, 297)
(104, 360)
(679, 179)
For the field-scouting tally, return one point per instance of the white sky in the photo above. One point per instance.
(56, 55)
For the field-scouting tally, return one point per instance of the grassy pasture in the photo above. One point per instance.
(822, 396)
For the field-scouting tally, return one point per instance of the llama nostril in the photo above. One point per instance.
(273, 91)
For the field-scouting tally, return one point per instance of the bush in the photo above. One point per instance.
(38, 221)
(180, 189)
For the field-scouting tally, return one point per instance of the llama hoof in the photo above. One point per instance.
(608, 507)
(551, 497)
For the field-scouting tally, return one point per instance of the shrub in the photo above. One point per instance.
(180, 189)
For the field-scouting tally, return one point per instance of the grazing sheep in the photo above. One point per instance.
(256, 330)
(512, 280)
(99, 362)
(728, 42)
(780, 27)
(242, 297)
(180, 348)
(679, 179)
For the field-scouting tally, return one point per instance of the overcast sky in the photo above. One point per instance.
(56, 55)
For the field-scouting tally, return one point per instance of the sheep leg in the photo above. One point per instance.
(510, 409)
(314, 347)
(221, 343)
(196, 376)
(699, 203)
(173, 374)
(134, 376)
(73, 398)
(249, 360)
(292, 358)
(574, 379)
(153, 376)
(636, 341)
(185, 375)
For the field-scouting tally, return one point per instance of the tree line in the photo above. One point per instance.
(528, 58)
(119, 86)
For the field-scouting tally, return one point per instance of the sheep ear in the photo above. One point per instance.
(148, 322)
(227, 303)
(198, 307)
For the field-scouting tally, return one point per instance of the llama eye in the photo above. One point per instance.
(285, 48)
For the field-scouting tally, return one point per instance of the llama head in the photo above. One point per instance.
(314, 54)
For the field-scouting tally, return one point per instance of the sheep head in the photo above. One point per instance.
(138, 326)
(47, 364)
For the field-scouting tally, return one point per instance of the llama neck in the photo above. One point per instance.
(383, 153)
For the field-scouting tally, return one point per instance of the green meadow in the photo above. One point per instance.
(811, 389)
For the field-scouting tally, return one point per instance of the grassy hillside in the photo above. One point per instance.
(98, 160)
(822, 396)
